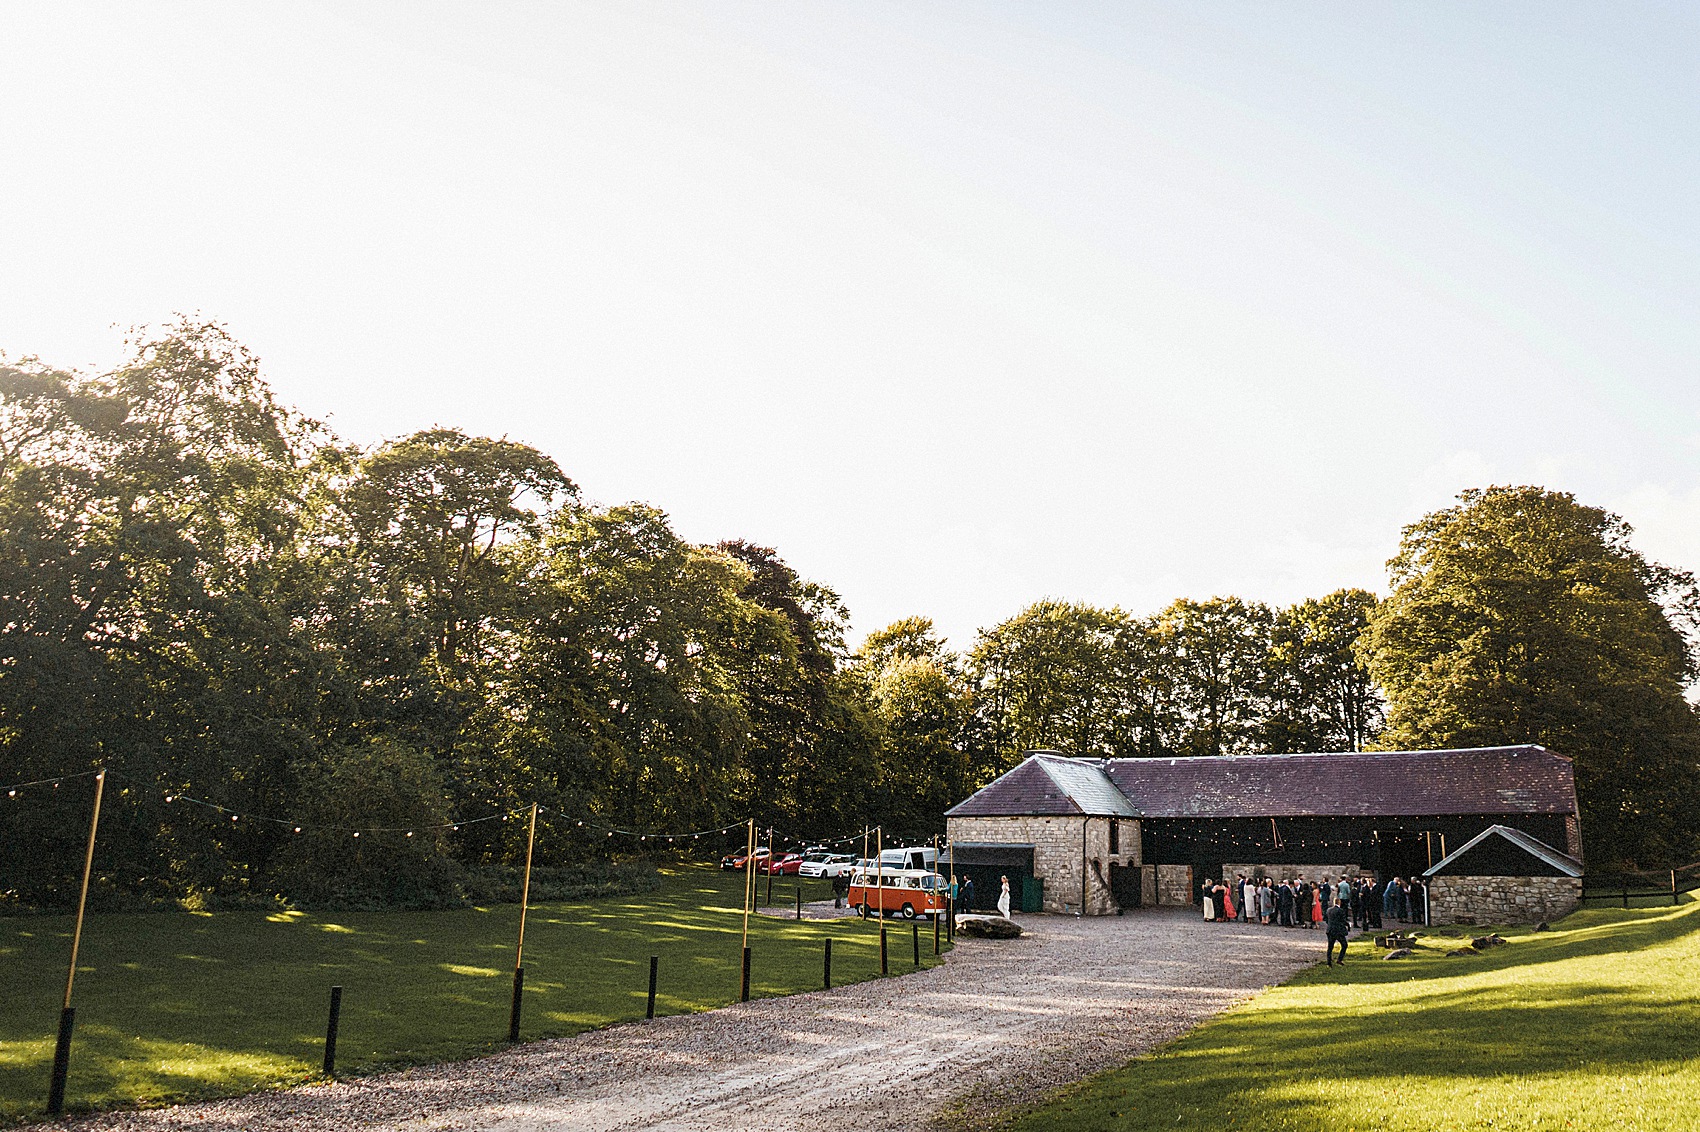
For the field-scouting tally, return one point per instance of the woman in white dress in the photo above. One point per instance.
(1209, 902)
(1003, 900)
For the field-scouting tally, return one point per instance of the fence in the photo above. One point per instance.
(1641, 889)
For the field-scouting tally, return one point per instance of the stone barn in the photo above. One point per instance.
(1503, 876)
(1100, 835)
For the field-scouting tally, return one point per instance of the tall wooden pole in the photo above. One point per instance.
(519, 947)
(525, 888)
(749, 879)
(879, 871)
(68, 1016)
(83, 895)
(749, 898)
(950, 924)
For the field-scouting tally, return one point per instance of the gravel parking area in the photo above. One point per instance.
(998, 1024)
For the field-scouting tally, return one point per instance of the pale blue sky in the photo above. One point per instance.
(958, 305)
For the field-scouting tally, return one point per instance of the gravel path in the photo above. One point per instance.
(999, 1023)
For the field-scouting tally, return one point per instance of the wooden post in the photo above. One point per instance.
(331, 1025)
(827, 972)
(519, 945)
(799, 902)
(1673, 886)
(915, 939)
(770, 859)
(654, 962)
(68, 1016)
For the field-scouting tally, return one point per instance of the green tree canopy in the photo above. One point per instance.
(1522, 616)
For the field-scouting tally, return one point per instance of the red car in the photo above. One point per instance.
(736, 860)
(785, 866)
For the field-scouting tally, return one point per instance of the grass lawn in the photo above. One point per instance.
(171, 1006)
(1593, 1025)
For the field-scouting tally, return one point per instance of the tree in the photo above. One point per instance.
(1522, 616)
(1219, 650)
(1048, 678)
(433, 511)
(1321, 694)
(931, 752)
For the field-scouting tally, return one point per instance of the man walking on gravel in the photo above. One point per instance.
(1339, 924)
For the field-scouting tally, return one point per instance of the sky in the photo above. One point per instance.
(959, 306)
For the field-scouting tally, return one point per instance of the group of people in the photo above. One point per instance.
(1294, 902)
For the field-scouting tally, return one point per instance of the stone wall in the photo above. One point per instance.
(1148, 885)
(1501, 900)
(1056, 853)
(1174, 884)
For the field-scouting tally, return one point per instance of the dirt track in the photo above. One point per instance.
(998, 1024)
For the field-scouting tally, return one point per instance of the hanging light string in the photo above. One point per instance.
(14, 788)
(301, 827)
(641, 834)
(297, 826)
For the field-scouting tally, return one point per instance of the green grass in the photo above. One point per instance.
(173, 1006)
(1594, 1025)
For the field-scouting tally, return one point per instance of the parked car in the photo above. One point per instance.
(785, 865)
(737, 860)
(826, 865)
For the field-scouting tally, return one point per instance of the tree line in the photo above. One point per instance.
(211, 594)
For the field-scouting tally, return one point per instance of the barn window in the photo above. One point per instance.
(1115, 836)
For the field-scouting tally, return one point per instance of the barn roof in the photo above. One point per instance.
(1533, 846)
(1048, 783)
(1481, 780)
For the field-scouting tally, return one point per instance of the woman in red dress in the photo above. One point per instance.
(1315, 904)
(1228, 902)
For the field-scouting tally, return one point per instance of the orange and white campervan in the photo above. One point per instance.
(901, 892)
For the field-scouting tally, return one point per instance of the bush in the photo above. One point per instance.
(404, 863)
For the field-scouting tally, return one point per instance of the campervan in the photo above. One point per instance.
(915, 857)
(901, 892)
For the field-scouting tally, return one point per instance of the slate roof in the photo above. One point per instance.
(1481, 780)
(1533, 846)
(1048, 783)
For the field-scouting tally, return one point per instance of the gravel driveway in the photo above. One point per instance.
(997, 1024)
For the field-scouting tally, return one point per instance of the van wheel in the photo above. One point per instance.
(862, 911)
(909, 911)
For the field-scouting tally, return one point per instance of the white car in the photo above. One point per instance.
(825, 865)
